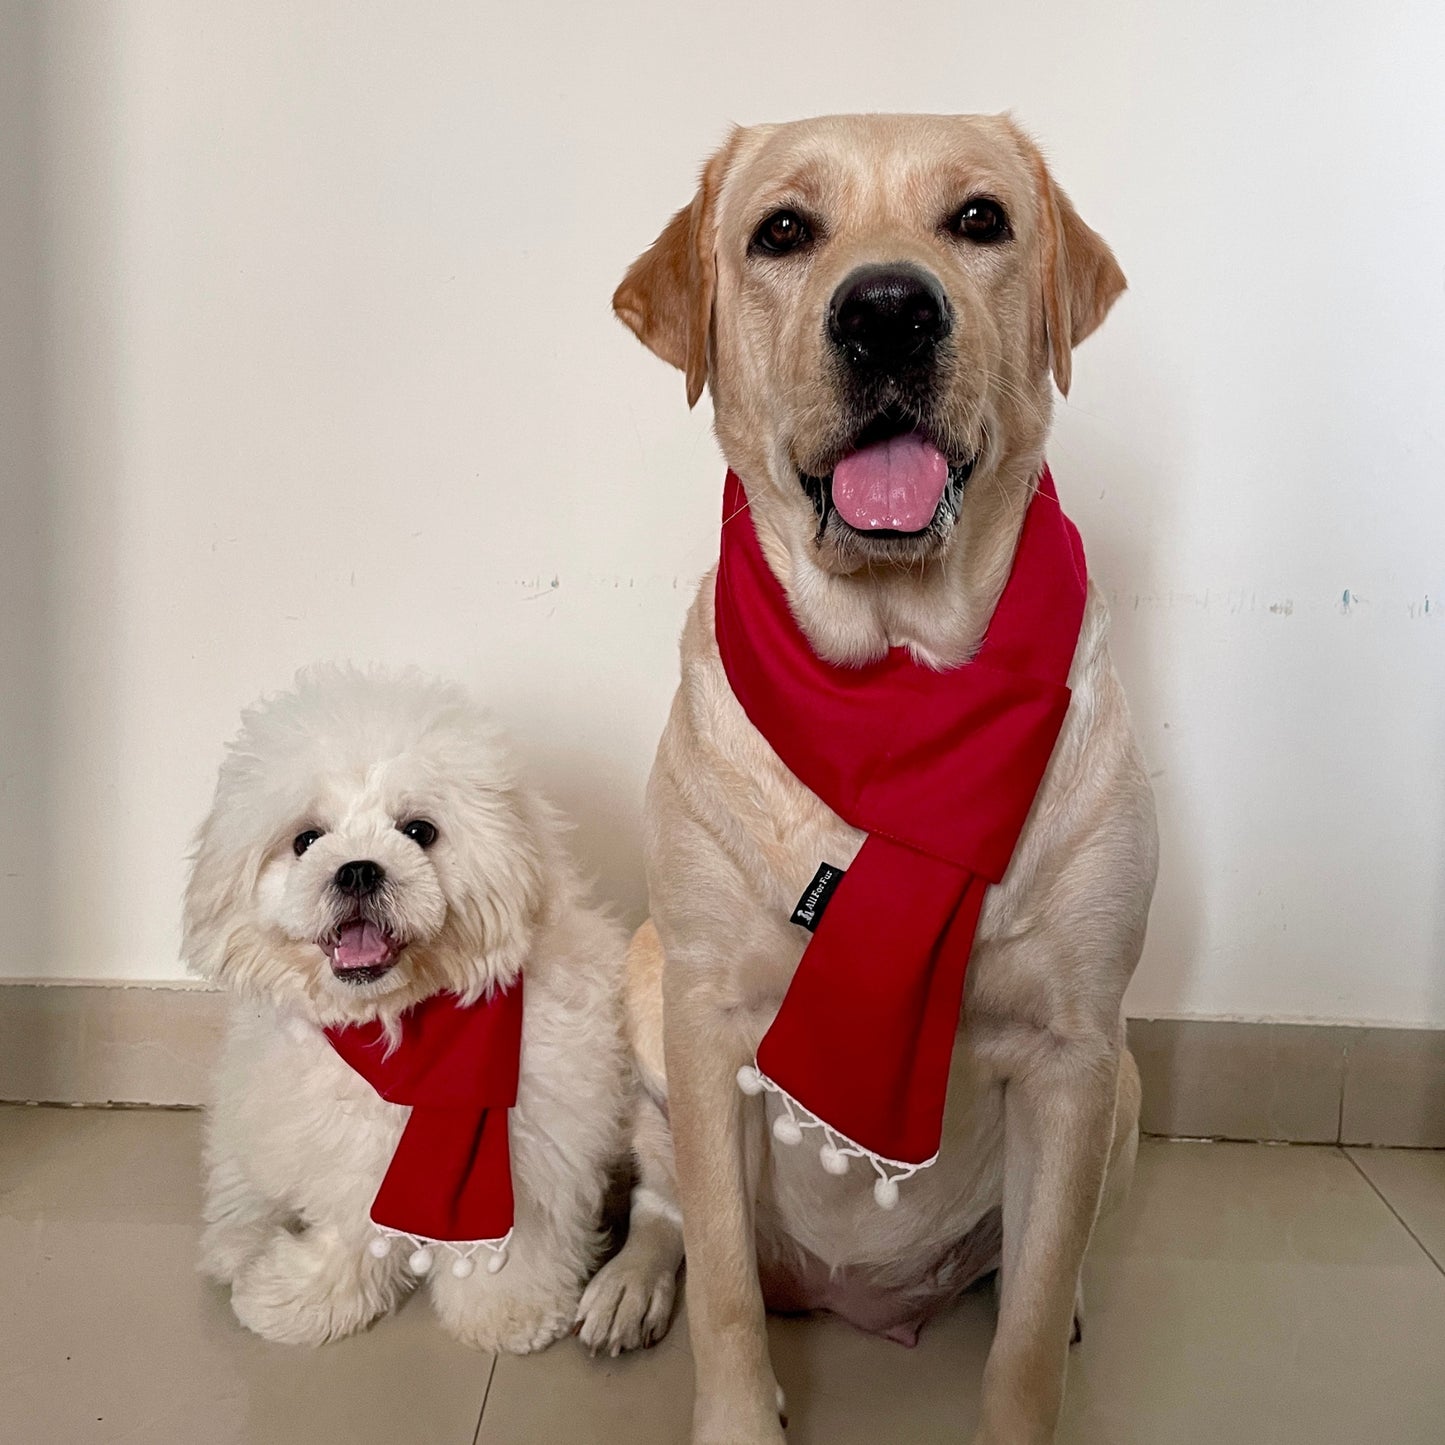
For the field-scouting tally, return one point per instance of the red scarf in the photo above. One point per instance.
(939, 769)
(449, 1182)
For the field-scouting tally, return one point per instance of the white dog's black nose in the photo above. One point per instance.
(883, 318)
(359, 877)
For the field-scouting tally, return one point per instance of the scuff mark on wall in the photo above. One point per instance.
(1392, 606)
(542, 591)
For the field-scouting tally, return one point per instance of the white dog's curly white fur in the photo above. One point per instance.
(330, 773)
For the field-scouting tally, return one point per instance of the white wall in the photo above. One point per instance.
(307, 353)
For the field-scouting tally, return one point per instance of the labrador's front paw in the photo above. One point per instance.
(719, 1421)
(629, 1303)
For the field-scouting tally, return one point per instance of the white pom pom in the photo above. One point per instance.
(786, 1130)
(833, 1159)
(420, 1261)
(462, 1268)
(497, 1262)
(379, 1247)
(885, 1193)
(750, 1081)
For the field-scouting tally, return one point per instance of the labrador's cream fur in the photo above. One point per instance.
(296, 1142)
(1043, 1101)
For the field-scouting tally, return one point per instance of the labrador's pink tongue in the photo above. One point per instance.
(360, 945)
(894, 484)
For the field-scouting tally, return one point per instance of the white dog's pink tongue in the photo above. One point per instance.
(895, 484)
(361, 945)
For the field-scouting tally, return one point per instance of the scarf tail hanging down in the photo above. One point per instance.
(449, 1183)
(940, 770)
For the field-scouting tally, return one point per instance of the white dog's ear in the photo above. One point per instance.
(498, 917)
(223, 878)
(1079, 277)
(666, 298)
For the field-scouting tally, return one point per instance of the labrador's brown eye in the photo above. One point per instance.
(782, 232)
(982, 221)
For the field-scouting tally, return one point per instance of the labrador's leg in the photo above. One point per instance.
(1125, 1149)
(1059, 1122)
(629, 1303)
(1122, 1155)
(717, 1135)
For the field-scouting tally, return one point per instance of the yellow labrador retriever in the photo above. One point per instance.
(977, 279)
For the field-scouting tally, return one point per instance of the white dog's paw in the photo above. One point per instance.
(240, 1222)
(225, 1250)
(628, 1305)
(303, 1291)
(490, 1312)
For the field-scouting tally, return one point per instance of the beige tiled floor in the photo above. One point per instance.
(1250, 1295)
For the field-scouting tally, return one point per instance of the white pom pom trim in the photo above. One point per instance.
(837, 1149)
(464, 1253)
(787, 1130)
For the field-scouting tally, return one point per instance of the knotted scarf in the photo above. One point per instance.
(449, 1182)
(939, 769)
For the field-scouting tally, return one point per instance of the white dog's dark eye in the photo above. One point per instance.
(302, 841)
(782, 232)
(422, 833)
(981, 220)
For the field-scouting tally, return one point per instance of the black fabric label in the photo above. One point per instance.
(816, 895)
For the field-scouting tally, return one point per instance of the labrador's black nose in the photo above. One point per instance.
(359, 877)
(884, 318)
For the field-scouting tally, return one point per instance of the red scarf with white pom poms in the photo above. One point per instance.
(449, 1183)
(940, 770)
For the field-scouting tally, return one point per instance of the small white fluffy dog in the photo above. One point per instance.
(471, 885)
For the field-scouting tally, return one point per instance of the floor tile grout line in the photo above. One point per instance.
(1344, 1089)
(1380, 1195)
(486, 1394)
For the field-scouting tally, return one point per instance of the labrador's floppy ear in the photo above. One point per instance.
(666, 297)
(1080, 278)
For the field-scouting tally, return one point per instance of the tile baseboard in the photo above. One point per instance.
(80, 1043)
(1292, 1083)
